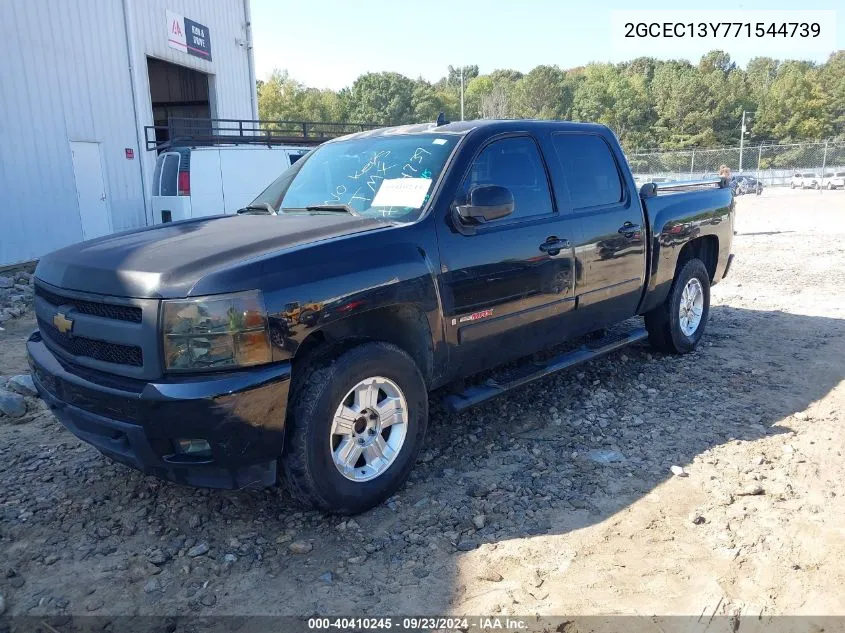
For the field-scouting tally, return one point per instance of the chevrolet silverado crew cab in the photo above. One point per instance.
(304, 334)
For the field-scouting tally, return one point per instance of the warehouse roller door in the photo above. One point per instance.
(177, 91)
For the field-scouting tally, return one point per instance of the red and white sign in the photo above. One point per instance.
(130, 153)
(176, 37)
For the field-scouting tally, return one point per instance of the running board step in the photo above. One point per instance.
(523, 374)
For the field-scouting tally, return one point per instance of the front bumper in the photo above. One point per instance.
(240, 414)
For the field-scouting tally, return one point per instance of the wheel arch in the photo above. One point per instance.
(404, 325)
(705, 248)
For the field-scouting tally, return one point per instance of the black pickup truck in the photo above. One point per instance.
(306, 332)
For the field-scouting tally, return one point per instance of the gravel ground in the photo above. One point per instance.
(15, 293)
(638, 484)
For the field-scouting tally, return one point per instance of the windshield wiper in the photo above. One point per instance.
(335, 208)
(257, 208)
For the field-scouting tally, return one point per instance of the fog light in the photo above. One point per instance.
(197, 448)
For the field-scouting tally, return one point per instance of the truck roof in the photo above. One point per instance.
(462, 128)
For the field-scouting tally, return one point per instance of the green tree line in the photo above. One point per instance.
(649, 103)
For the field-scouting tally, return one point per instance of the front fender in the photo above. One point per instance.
(327, 284)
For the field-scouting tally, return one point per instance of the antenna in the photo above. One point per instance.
(462, 93)
(441, 120)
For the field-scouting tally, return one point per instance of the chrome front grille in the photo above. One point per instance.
(117, 335)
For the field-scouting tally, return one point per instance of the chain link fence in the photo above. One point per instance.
(773, 165)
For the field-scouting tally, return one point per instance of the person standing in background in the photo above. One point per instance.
(725, 174)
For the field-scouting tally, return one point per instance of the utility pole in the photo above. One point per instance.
(741, 139)
(824, 166)
(462, 93)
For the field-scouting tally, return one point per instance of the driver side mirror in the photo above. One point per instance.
(486, 203)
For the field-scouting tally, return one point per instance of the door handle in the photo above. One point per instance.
(554, 245)
(629, 228)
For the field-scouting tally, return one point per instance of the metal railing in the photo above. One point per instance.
(196, 132)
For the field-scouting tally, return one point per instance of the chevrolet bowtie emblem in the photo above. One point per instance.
(62, 323)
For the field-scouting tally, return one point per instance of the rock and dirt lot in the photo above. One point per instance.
(637, 484)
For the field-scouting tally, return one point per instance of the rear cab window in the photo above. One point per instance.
(588, 169)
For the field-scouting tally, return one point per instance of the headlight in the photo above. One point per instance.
(218, 332)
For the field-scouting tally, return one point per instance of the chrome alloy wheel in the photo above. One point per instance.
(692, 306)
(369, 429)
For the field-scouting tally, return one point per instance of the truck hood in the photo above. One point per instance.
(169, 259)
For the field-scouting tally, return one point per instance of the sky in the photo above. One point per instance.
(329, 43)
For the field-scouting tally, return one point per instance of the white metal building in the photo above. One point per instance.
(79, 80)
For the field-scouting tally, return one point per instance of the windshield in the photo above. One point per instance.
(381, 176)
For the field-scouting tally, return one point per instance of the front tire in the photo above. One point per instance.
(678, 324)
(355, 427)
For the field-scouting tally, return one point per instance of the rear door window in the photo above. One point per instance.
(590, 170)
(169, 174)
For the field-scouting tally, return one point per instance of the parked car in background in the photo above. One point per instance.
(806, 180)
(193, 182)
(743, 184)
(834, 180)
(217, 166)
(733, 183)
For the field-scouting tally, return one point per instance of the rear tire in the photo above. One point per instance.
(313, 438)
(678, 324)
